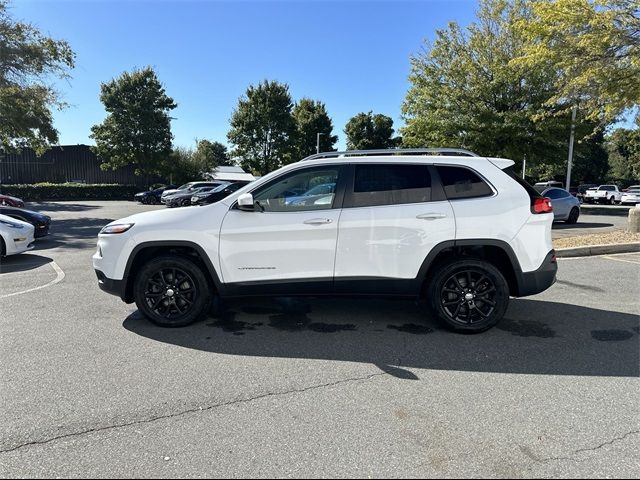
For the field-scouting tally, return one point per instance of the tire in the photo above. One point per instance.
(3, 249)
(573, 216)
(185, 303)
(471, 315)
(612, 201)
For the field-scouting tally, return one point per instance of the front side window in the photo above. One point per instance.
(459, 182)
(299, 191)
(383, 184)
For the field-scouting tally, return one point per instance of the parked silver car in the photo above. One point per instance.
(565, 206)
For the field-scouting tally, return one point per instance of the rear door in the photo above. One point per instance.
(391, 219)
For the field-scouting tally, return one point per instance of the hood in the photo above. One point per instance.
(36, 215)
(164, 217)
(9, 220)
(9, 197)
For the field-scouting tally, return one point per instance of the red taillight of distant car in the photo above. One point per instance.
(541, 205)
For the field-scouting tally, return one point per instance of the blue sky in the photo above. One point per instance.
(354, 56)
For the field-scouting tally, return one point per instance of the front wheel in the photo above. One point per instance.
(172, 291)
(469, 295)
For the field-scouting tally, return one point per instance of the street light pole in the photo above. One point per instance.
(573, 132)
(318, 141)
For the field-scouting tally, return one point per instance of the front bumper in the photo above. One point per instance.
(114, 287)
(531, 283)
(41, 230)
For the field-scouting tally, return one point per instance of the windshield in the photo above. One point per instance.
(184, 187)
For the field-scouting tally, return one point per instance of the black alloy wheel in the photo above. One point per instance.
(469, 295)
(172, 291)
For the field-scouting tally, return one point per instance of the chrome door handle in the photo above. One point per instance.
(318, 221)
(431, 216)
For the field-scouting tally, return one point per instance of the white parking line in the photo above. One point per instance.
(58, 279)
(609, 257)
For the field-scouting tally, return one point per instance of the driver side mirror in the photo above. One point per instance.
(245, 202)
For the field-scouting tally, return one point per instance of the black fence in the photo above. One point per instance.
(70, 163)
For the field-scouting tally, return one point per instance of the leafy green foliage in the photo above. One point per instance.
(71, 191)
(209, 155)
(370, 131)
(595, 47)
(624, 153)
(466, 93)
(137, 130)
(311, 118)
(262, 128)
(27, 60)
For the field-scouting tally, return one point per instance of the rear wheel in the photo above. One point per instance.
(573, 215)
(612, 201)
(469, 295)
(172, 291)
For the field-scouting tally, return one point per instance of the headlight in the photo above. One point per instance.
(11, 224)
(116, 228)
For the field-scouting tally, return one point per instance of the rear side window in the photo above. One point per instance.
(383, 184)
(533, 193)
(459, 182)
(556, 193)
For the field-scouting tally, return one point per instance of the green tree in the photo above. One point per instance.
(311, 118)
(263, 129)
(595, 47)
(181, 166)
(209, 155)
(623, 145)
(137, 130)
(366, 131)
(466, 92)
(27, 60)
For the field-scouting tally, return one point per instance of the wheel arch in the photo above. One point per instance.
(497, 252)
(147, 250)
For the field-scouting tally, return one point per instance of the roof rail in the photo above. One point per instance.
(393, 151)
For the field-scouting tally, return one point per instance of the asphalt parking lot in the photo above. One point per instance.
(312, 388)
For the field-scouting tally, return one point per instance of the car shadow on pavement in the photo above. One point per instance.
(22, 263)
(75, 233)
(61, 207)
(564, 226)
(536, 337)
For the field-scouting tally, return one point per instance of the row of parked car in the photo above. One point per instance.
(192, 193)
(20, 227)
(592, 193)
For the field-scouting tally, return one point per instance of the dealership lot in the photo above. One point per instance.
(313, 388)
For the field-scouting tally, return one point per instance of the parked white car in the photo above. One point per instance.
(610, 194)
(460, 231)
(16, 236)
(632, 195)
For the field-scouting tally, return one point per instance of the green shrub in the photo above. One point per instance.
(71, 191)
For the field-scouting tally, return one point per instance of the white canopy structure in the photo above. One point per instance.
(230, 174)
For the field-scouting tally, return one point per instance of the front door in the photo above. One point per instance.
(291, 234)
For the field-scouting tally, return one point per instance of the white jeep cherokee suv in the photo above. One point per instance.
(458, 230)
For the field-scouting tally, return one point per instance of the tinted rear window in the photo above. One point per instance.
(459, 182)
(390, 185)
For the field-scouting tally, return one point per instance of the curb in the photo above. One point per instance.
(598, 250)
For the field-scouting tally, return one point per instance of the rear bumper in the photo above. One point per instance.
(539, 280)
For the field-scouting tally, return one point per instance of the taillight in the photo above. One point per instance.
(541, 205)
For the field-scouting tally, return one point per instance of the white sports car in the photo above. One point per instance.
(16, 236)
(632, 195)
